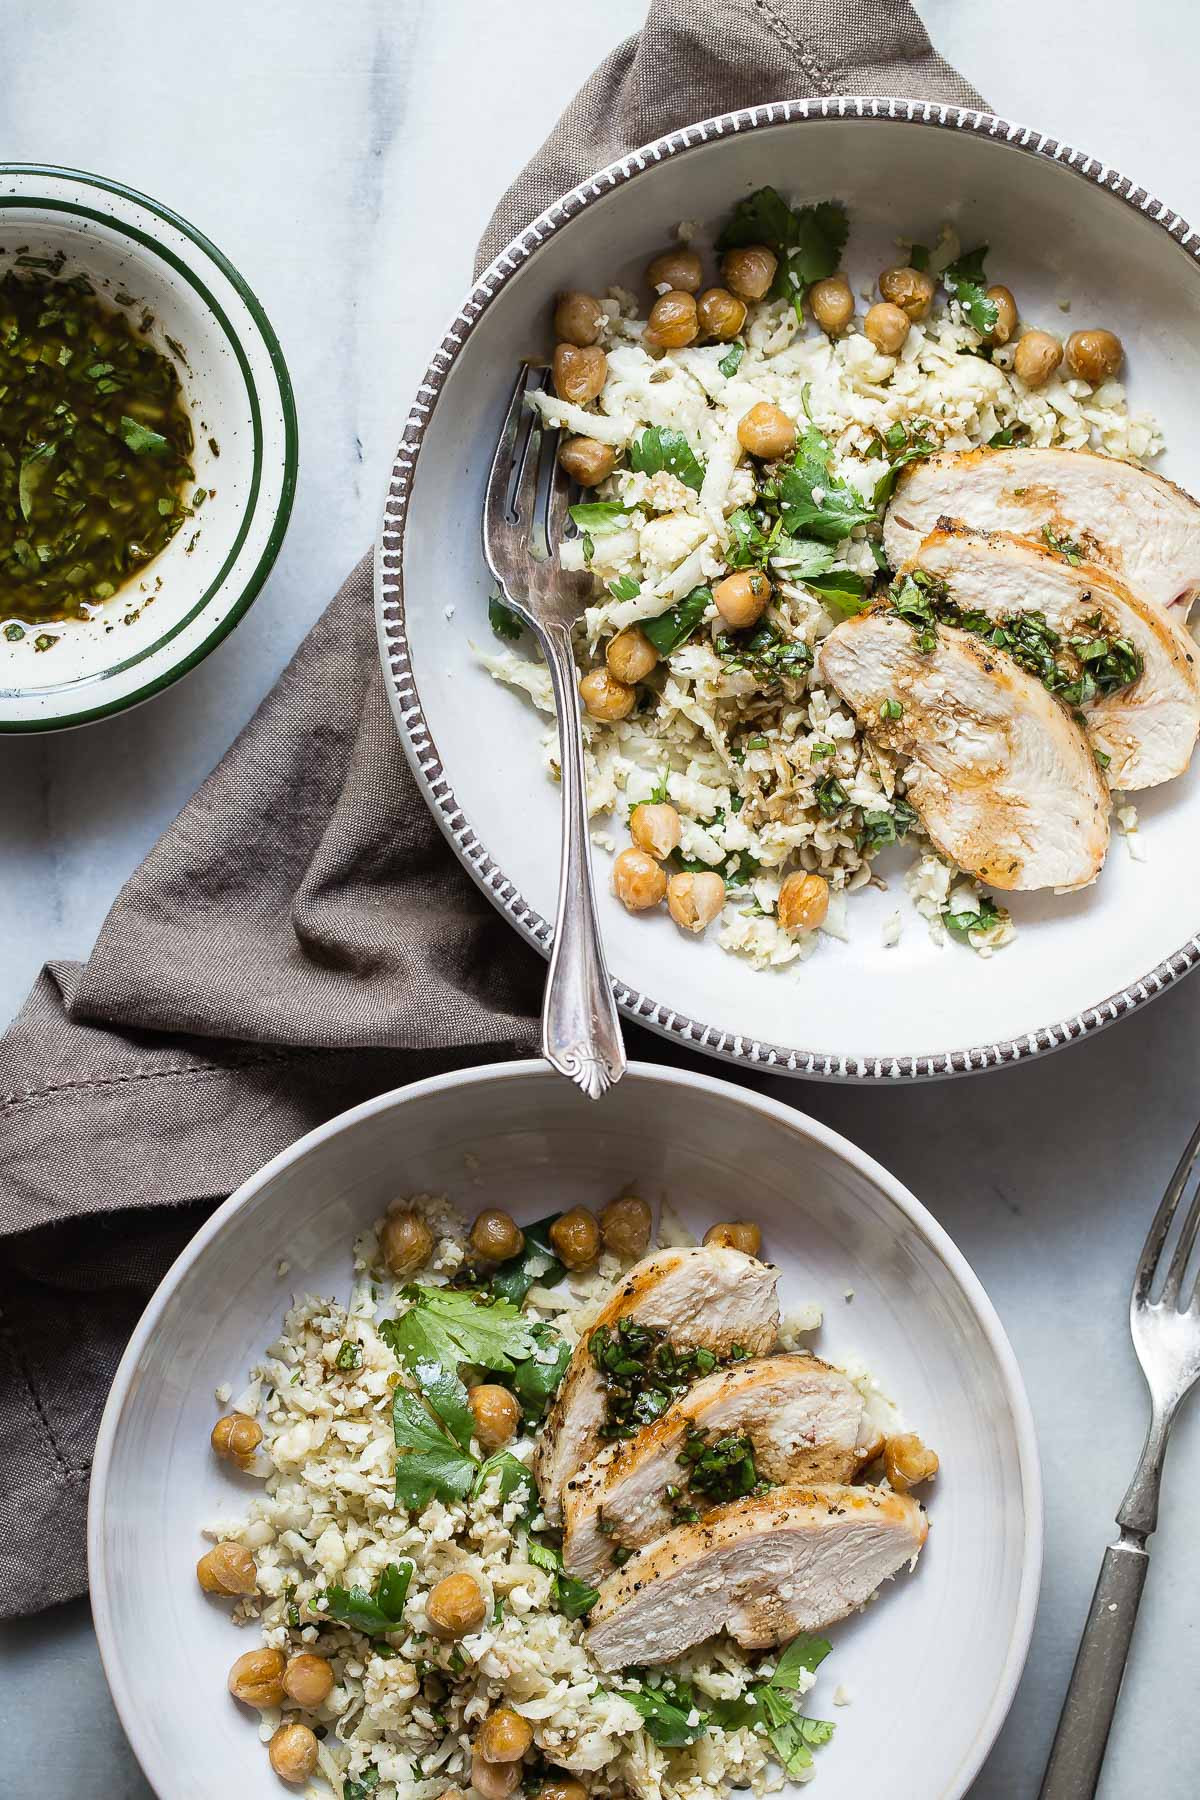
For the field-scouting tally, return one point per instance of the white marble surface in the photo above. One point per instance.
(346, 159)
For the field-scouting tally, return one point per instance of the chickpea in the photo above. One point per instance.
(911, 290)
(1094, 356)
(605, 697)
(721, 314)
(308, 1680)
(630, 655)
(406, 1242)
(494, 1781)
(749, 272)
(236, 1437)
(694, 901)
(832, 303)
(741, 599)
(293, 1753)
(1036, 358)
(587, 461)
(655, 829)
(803, 902)
(256, 1679)
(227, 1569)
(625, 1226)
(504, 1736)
(562, 1787)
(578, 319)
(575, 1236)
(495, 1236)
(673, 322)
(766, 430)
(638, 882)
(680, 270)
(906, 1461)
(1006, 314)
(887, 326)
(735, 1234)
(455, 1607)
(496, 1414)
(579, 374)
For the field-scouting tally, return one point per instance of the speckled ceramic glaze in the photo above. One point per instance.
(1061, 225)
(148, 262)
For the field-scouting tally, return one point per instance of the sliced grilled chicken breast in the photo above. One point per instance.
(804, 1421)
(798, 1559)
(1142, 527)
(1003, 778)
(1148, 729)
(703, 1298)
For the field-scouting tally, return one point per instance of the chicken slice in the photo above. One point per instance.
(797, 1559)
(1147, 729)
(804, 1420)
(1003, 778)
(1141, 526)
(703, 1298)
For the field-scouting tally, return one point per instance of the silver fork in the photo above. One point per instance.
(1166, 1336)
(524, 515)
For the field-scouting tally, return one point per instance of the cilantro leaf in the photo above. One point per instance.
(666, 1723)
(599, 515)
(843, 586)
(840, 507)
(625, 587)
(511, 1470)
(1012, 434)
(747, 541)
(764, 217)
(432, 1463)
(820, 237)
(804, 1653)
(918, 257)
(961, 924)
(372, 1614)
(964, 281)
(441, 1389)
(969, 266)
(801, 558)
(503, 621)
(140, 439)
(448, 1327)
(362, 1789)
(659, 447)
(676, 625)
(573, 1598)
(536, 1264)
(808, 243)
(731, 362)
(535, 1383)
(793, 1737)
(907, 443)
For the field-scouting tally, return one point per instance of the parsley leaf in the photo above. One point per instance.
(503, 621)
(372, 1614)
(432, 1463)
(140, 439)
(447, 1327)
(536, 1265)
(599, 515)
(964, 281)
(731, 362)
(659, 447)
(666, 1723)
(673, 628)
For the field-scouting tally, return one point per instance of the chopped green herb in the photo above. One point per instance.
(642, 1373)
(372, 1614)
(886, 825)
(1012, 434)
(659, 447)
(512, 1472)
(731, 362)
(349, 1356)
(141, 439)
(503, 621)
(535, 1382)
(891, 709)
(831, 796)
(765, 653)
(1063, 546)
(964, 282)
(573, 1598)
(719, 1467)
(962, 924)
(905, 443)
(673, 627)
(625, 588)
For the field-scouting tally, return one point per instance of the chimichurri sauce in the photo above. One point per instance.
(94, 449)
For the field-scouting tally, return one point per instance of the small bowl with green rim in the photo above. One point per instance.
(185, 299)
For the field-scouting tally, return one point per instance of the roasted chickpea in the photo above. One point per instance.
(625, 1226)
(494, 1781)
(1006, 314)
(673, 322)
(578, 373)
(562, 1787)
(578, 319)
(721, 314)
(680, 270)
(605, 697)
(887, 326)
(694, 901)
(587, 460)
(832, 303)
(630, 655)
(455, 1607)
(406, 1242)
(749, 272)
(655, 829)
(741, 599)
(906, 1461)
(803, 902)
(911, 290)
(575, 1236)
(766, 430)
(227, 1569)
(1094, 356)
(504, 1736)
(496, 1414)
(236, 1437)
(735, 1234)
(1036, 358)
(638, 881)
(495, 1236)
(308, 1680)
(256, 1679)
(293, 1753)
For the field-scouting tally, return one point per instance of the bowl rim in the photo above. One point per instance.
(254, 581)
(400, 681)
(755, 1103)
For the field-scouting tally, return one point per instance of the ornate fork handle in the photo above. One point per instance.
(581, 1031)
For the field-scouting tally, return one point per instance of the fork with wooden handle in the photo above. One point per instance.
(524, 514)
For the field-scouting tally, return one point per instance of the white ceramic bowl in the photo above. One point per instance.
(1059, 224)
(142, 258)
(932, 1666)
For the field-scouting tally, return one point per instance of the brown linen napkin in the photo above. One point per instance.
(302, 937)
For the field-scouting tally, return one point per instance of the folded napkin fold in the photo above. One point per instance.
(302, 936)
